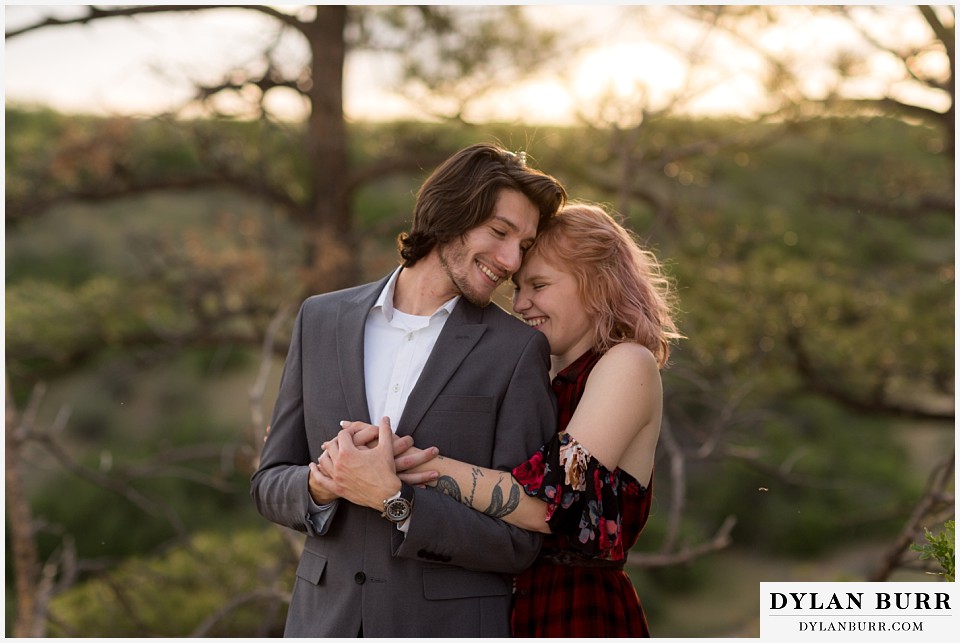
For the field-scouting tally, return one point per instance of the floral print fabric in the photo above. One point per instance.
(584, 498)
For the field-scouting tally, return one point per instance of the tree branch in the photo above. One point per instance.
(149, 506)
(888, 104)
(934, 496)
(203, 630)
(26, 566)
(923, 205)
(383, 167)
(265, 83)
(876, 406)
(268, 352)
(19, 211)
(678, 485)
(721, 540)
(783, 473)
(946, 35)
(95, 13)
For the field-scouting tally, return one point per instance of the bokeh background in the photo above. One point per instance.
(178, 179)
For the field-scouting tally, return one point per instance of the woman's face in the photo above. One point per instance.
(547, 299)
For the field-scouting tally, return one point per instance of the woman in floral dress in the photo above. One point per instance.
(604, 306)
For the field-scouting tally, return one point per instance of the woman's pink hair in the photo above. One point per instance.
(619, 282)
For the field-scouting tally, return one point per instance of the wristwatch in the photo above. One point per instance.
(397, 509)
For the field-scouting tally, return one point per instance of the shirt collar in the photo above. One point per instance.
(385, 300)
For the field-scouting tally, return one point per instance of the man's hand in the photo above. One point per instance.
(363, 475)
(368, 435)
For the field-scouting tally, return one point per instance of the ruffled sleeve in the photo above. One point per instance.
(584, 498)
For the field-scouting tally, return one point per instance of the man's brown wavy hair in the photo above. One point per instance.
(462, 192)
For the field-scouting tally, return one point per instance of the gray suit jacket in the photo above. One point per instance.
(484, 397)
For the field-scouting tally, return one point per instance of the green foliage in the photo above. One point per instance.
(838, 283)
(942, 548)
(807, 484)
(171, 439)
(171, 594)
(205, 491)
(786, 296)
(143, 273)
(100, 311)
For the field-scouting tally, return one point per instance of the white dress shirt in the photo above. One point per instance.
(396, 346)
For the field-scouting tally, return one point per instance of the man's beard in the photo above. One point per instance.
(460, 281)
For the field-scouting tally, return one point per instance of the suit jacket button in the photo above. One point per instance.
(360, 577)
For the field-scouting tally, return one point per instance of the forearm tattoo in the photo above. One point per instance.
(476, 474)
(449, 486)
(499, 509)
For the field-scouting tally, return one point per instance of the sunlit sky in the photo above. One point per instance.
(131, 66)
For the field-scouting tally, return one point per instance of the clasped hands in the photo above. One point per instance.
(366, 463)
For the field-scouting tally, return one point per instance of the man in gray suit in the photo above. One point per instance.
(424, 348)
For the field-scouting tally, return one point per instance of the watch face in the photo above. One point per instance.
(397, 509)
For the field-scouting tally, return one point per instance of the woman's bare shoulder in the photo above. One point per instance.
(628, 371)
(629, 358)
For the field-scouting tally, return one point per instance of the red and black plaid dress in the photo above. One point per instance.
(577, 586)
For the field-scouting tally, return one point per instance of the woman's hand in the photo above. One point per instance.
(368, 435)
(408, 459)
(413, 466)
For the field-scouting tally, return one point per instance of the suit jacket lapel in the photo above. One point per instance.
(351, 321)
(460, 334)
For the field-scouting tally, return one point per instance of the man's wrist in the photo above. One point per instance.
(398, 507)
(321, 496)
(390, 491)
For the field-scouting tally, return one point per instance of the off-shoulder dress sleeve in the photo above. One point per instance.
(585, 500)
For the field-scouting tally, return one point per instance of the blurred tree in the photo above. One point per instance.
(907, 73)
(449, 55)
(927, 67)
(223, 584)
(936, 506)
(30, 616)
